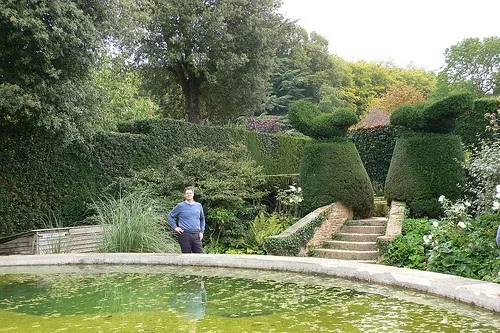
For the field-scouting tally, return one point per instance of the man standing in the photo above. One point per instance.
(190, 223)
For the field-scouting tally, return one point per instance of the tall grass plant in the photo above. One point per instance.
(130, 224)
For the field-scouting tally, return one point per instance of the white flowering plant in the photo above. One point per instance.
(288, 200)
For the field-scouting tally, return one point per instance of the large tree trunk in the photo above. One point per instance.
(191, 103)
(191, 90)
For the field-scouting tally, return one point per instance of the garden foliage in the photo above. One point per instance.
(375, 146)
(438, 117)
(333, 171)
(471, 125)
(40, 175)
(423, 167)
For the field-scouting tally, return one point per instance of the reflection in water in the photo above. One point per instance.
(190, 298)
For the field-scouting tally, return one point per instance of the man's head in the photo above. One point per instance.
(189, 194)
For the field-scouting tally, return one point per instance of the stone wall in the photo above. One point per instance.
(338, 215)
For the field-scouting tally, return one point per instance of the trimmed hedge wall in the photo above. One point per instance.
(425, 166)
(40, 177)
(375, 147)
(472, 124)
(333, 171)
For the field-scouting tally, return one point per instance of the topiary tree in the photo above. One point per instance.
(331, 169)
(427, 165)
(438, 117)
(471, 124)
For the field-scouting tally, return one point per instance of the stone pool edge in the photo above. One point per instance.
(479, 293)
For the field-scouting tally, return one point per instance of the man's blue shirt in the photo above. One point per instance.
(190, 217)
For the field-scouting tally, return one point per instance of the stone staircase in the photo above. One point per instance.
(356, 240)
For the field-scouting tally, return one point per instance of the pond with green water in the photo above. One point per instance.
(195, 299)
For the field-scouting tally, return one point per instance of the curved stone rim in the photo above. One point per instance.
(479, 293)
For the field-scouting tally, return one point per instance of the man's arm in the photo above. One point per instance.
(172, 215)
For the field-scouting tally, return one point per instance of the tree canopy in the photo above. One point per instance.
(472, 64)
(47, 48)
(219, 52)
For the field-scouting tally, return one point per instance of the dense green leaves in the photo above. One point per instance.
(47, 49)
(425, 166)
(473, 65)
(219, 52)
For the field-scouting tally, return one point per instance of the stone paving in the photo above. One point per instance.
(479, 293)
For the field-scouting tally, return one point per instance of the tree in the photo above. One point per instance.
(219, 51)
(47, 49)
(473, 64)
(305, 69)
(397, 96)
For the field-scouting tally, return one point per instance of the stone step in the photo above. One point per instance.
(357, 246)
(367, 222)
(355, 237)
(348, 229)
(346, 254)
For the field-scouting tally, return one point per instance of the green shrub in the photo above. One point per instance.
(262, 227)
(131, 224)
(440, 117)
(472, 124)
(290, 244)
(333, 171)
(38, 174)
(375, 146)
(425, 166)
(409, 116)
(306, 117)
(466, 249)
(225, 182)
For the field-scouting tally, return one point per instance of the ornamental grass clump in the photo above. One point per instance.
(130, 224)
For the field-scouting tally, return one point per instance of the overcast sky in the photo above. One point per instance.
(407, 32)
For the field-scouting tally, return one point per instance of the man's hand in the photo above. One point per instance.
(179, 230)
(201, 236)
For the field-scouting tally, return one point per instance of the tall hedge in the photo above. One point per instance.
(40, 177)
(425, 166)
(472, 124)
(375, 146)
(333, 171)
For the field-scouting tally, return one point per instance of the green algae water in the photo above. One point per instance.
(195, 299)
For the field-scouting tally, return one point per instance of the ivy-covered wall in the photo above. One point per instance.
(43, 181)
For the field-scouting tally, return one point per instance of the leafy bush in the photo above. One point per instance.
(409, 116)
(131, 224)
(438, 117)
(408, 249)
(226, 183)
(262, 227)
(456, 245)
(38, 174)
